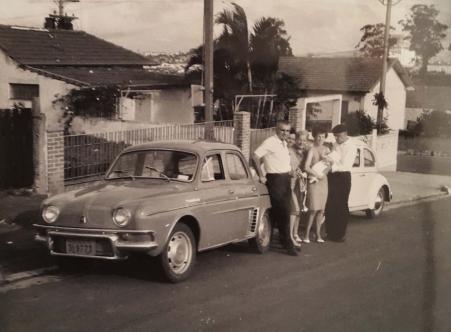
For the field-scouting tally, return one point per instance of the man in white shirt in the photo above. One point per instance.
(339, 185)
(274, 154)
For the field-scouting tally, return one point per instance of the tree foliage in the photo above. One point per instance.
(235, 39)
(434, 124)
(247, 63)
(88, 102)
(425, 32)
(372, 42)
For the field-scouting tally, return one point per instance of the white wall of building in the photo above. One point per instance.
(10, 72)
(395, 94)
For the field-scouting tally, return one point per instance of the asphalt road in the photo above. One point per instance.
(424, 164)
(392, 274)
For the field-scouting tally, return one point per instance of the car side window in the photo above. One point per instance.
(368, 158)
(357, 159)
(237, 170)
(212, 169)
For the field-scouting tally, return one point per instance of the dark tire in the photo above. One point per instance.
(378, 205)
(179, 254)
(263, 234)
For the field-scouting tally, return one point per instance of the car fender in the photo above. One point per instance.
(378, 182)
(163, 224)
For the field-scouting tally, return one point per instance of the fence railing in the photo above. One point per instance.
(258, 136)
(87, 156)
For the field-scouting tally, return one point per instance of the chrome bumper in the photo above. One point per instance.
(120, 245)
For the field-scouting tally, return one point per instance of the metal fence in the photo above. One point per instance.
(259, 135)
(88, 156)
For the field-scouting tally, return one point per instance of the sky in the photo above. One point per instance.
(315, 26)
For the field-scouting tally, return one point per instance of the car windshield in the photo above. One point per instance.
(163, 164)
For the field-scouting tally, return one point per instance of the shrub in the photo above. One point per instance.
(360, 123)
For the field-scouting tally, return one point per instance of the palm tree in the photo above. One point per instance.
(268, 41)
(235, 38)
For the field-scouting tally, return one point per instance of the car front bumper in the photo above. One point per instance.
(105, 243)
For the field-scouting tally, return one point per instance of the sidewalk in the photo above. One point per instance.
(19, 252)
(410, 187)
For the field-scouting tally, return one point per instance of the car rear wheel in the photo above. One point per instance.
(178, 257)
(262, 240)
(379, 204)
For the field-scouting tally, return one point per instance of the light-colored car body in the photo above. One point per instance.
(369, 189)
(206, 186)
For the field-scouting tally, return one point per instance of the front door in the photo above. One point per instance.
(219, 203)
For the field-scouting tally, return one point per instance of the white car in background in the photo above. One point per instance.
(369, 189)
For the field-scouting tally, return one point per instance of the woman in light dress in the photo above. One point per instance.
(316, 191)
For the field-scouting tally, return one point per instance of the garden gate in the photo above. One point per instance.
(16, 148)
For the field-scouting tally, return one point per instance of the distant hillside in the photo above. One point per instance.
(169, 63)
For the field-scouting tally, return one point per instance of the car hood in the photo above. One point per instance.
(96, 203)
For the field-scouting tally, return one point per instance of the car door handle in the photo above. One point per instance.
(254, 189)
(362, 175)
(231, 191)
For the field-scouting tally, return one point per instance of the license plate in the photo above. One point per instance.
(81, 247)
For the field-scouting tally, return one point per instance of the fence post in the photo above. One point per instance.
(39, 148)
(296, 117)
(55, 158)
(242, 132)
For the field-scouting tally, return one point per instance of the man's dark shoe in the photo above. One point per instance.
(293, 249)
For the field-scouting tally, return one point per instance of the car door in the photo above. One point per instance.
(245, 192)
(370, 170)
(218, 203)
(357, 196)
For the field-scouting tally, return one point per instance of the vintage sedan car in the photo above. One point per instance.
(370, 189)
(165, 199)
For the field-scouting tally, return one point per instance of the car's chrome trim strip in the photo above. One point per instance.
(93, 230)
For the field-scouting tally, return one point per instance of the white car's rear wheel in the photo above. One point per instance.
(379, 204)
(178, 257)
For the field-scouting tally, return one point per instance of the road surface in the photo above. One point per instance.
(392, 274)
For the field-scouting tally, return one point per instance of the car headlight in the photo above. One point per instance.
(50, 214)
(121, 216)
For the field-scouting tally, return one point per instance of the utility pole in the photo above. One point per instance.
(208, 67)
(380, 107)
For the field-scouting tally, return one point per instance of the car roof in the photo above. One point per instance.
(195, 146)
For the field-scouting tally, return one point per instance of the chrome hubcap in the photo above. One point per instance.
(180, 252)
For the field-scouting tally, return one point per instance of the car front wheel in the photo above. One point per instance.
(379, 204)
(178, 257)
(262, 240)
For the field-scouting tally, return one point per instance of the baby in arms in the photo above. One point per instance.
(322, 166)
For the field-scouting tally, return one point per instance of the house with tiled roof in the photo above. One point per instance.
(47, 64)
(355, 80)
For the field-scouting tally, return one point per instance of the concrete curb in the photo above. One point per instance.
(19, 276)
(416, 199)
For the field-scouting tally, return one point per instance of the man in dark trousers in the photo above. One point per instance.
(276, 159)
(339, 183)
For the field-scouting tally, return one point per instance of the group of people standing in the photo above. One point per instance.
(307, 178)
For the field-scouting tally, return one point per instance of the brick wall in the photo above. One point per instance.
(242, 132)
(55, 161)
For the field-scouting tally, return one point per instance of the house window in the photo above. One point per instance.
(23, 91)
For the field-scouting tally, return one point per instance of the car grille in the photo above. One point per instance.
(103, 246)
(253, 214)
